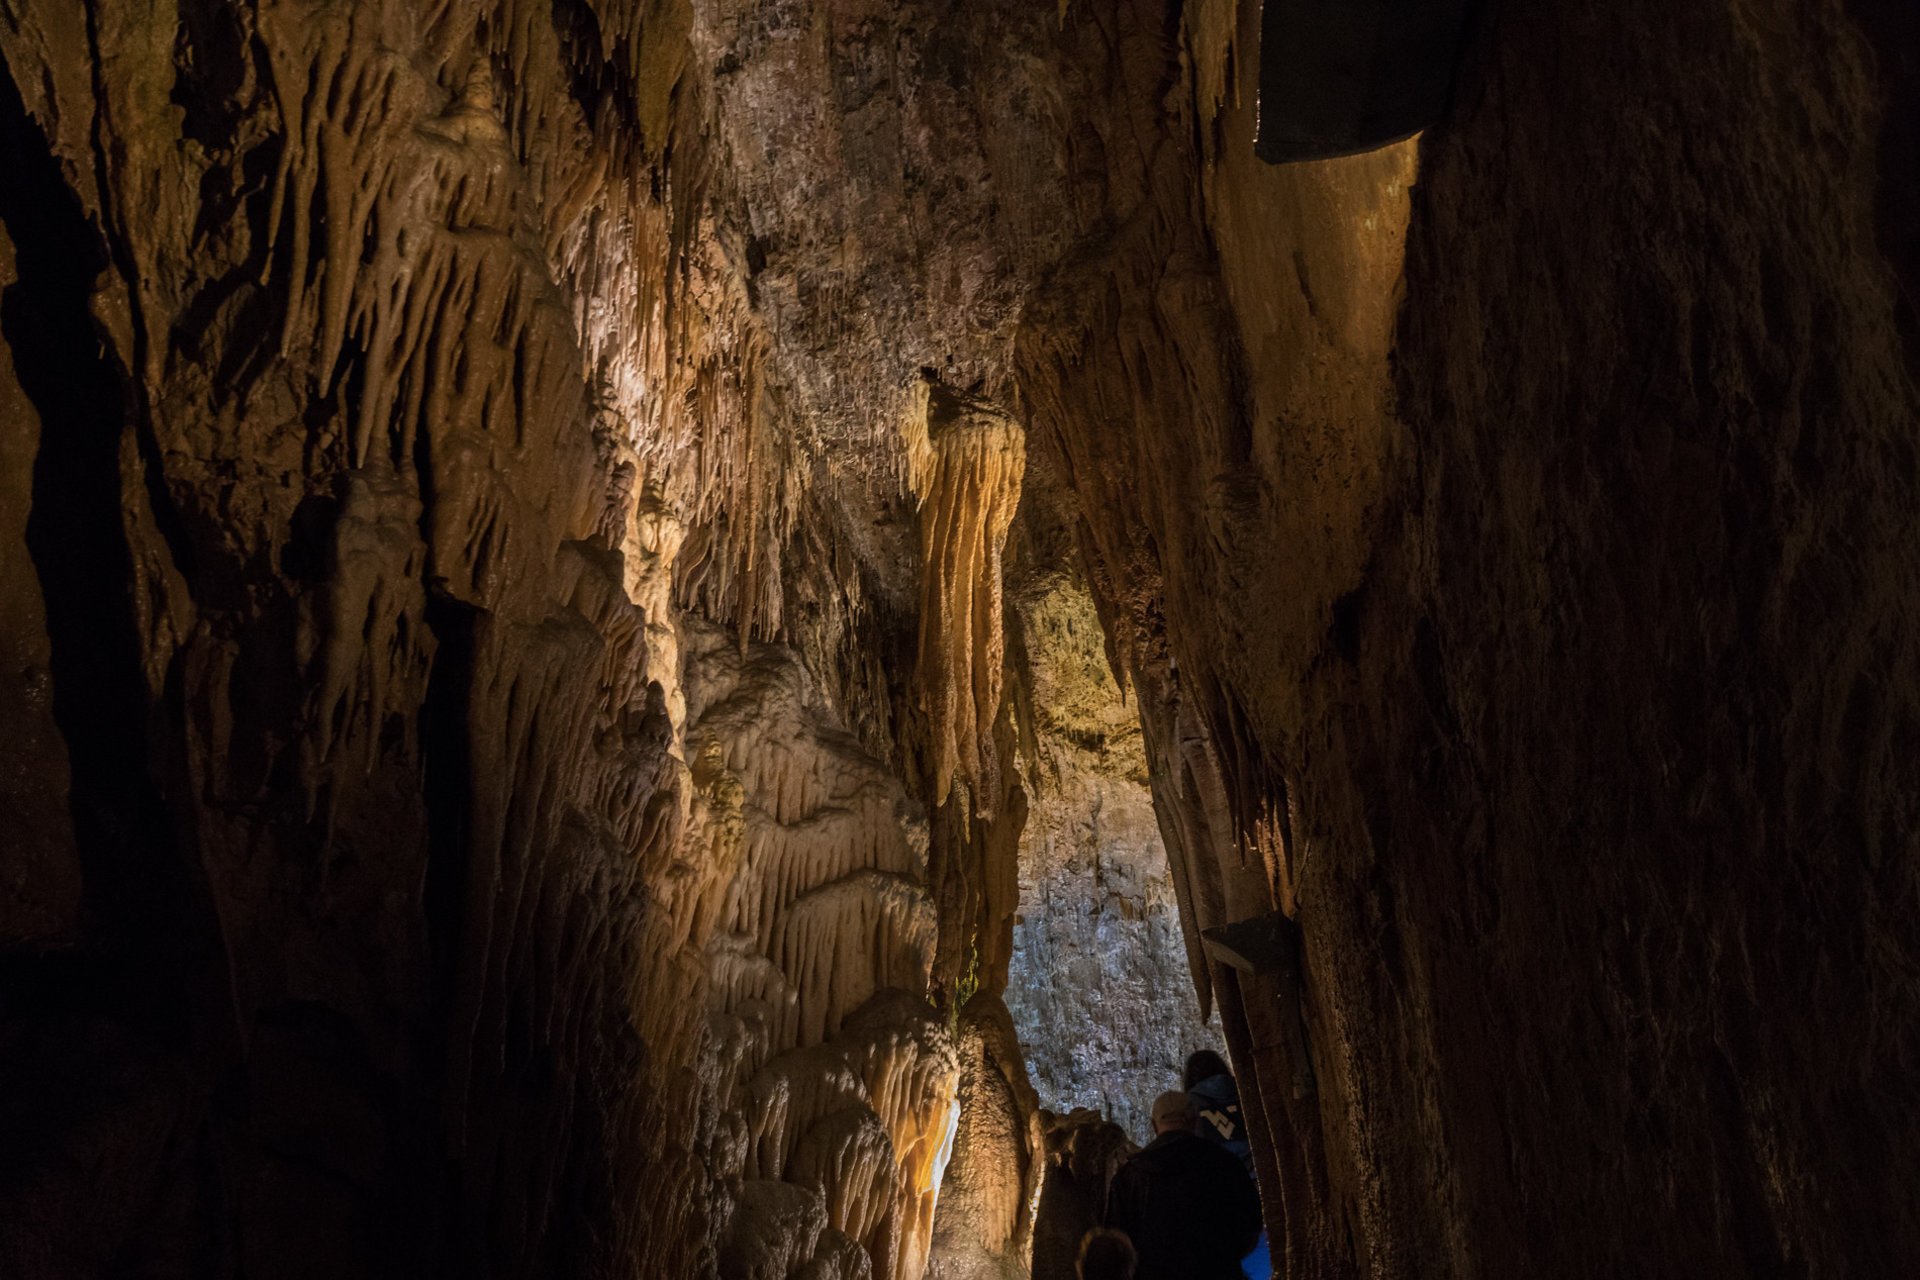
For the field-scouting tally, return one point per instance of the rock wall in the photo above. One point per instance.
(1738, 463)
(361, 726)
(408, 879)
(1529, 630)
(1099, 987)
(491, 602)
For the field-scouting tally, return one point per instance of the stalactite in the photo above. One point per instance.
(823, 1052)
(965, 461)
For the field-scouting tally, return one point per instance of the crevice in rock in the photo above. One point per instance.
(76, 534)
(447, 775)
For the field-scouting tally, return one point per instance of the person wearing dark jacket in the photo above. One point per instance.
(1187, 1205)
(1216, 1117)
(1216, 1104)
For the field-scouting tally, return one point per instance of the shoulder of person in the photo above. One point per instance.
(1218, 1088)
(1218, 1156)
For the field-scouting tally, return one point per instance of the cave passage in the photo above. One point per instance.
(657, 639)
(1098, 984)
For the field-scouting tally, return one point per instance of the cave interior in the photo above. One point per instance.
(700, 638)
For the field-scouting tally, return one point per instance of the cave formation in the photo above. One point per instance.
(618, 616)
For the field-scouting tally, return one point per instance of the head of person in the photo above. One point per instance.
(1105, 1255)
(1094, 1151)
(1203, 1064)
(1172, 1112)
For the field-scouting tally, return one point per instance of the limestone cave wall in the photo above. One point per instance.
(428, 865)
(1529, 623)
(1098, 983)
(533, 535)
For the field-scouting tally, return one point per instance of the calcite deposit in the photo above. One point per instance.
(580, 579)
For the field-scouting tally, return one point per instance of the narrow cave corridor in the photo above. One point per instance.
(1098, 985)
(662, 639)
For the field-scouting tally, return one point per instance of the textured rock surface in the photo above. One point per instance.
(1563, 704)
(1099, 987)
(800, 905)
(510, 762)
(985, 1228)
(437, 893)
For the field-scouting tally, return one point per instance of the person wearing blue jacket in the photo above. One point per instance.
(1215, 1099)
(1216, 1104)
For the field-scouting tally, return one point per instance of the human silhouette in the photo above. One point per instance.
(1106, 1255)
(1187, 1204)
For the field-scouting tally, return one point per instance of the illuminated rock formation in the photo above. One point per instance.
(985, 1231)
(808, 918)
(967, 461)
(529, 534)
(1099, 986)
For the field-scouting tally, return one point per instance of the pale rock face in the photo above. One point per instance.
(1099, 990)
(1099, 986)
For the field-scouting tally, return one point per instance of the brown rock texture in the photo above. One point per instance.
(408, 879)
(1560, 722)
(526, 533)
(1083, 1152)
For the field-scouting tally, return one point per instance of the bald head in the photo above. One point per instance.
(1171, 1111)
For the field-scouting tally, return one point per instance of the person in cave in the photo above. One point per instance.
(1216, 1104)
(1105, 1255)
(1216, 1116)
(1186, 1203)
